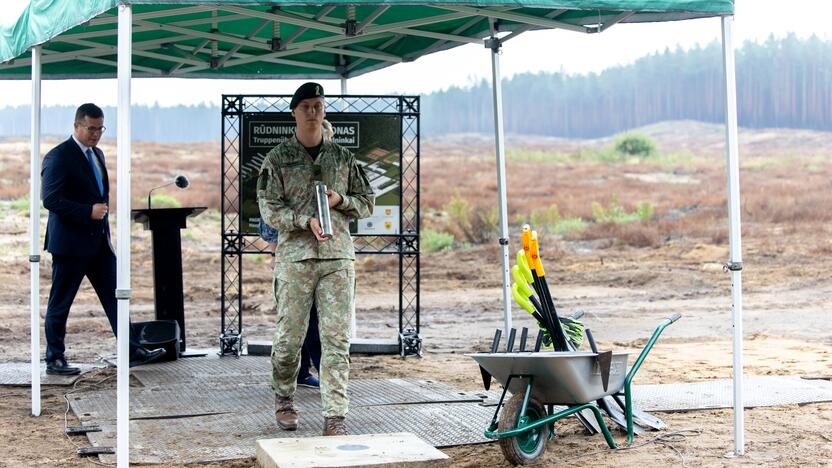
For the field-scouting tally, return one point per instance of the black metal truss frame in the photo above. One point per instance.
(236, 243)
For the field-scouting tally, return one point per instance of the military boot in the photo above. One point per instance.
(335, 426)
(285, 414)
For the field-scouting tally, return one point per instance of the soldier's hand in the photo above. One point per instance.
(315, 227)
(99, 210)
(333, 198)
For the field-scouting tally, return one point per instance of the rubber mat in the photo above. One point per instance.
(20, 373)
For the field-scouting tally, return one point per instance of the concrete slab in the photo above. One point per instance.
(401, 449)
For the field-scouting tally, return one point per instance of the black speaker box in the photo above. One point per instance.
(160, 334)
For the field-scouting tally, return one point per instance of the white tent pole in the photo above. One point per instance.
(34, 231)
(353, 321)
(125, 42)
(734, 232)
(497, 87)
(344, 107)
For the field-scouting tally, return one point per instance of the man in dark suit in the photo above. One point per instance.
(76, 191)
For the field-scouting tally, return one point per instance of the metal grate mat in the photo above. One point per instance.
(20, 374)
(233, 436)
(200, 398)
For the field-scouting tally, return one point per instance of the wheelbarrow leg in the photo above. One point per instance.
(551, 410)
(526, 397)
(493, 425)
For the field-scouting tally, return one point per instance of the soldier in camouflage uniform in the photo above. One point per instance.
(309, 265)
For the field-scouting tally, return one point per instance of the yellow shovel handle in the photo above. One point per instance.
(534, 262)
(522, 301)
(523, 263)
(520, 281)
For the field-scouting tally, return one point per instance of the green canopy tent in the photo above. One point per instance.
(57, 39)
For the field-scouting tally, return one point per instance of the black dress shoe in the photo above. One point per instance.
(144, 356)
(60, 367)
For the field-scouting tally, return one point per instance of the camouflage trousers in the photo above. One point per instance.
(330, 283)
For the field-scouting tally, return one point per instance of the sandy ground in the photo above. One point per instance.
(787, 333)
(623, 290)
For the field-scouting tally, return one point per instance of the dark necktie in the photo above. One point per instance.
(95, 170)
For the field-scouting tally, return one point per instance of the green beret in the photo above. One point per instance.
(306, 91)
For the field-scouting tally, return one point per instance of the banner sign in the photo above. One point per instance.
(374, 139)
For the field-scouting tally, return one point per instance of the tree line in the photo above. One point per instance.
(150, 123)
(785, 82)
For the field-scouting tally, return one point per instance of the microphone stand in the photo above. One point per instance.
(154, 188)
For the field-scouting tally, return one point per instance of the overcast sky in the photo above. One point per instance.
(530, 52)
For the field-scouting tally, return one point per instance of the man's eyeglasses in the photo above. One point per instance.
(101, 129)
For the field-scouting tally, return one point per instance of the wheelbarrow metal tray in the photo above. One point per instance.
(560, 378)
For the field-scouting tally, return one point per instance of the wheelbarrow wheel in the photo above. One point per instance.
(529, 445)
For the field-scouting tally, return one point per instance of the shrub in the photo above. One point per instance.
(546, 217)
(164, 201)
(611, 213)
(644, 210)
(472, 224)
(570, 225)
(484, 225)
(615, 213)
(634, 235)
(634, 145)
(638, 235)
(435, 241)
(459, 211)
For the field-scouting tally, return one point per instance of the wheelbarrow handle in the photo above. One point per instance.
(628, 380)
(643, 355)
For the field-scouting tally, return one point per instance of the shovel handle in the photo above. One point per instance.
(676, 316)
(523, 263)
(495, 344)
(534, 261)
(521, 300)
(520, 281)
(591, 340)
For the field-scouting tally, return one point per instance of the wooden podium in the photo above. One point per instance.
(165, 224)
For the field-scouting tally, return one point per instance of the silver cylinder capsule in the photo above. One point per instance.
(323, 209)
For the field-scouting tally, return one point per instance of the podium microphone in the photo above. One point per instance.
(180, 181)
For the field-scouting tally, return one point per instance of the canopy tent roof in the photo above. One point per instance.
(339, 39)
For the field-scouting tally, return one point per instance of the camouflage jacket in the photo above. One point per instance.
(286, 195)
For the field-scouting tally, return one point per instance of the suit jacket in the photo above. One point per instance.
(69, 191)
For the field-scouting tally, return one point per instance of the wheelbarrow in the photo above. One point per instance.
(539, 381)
